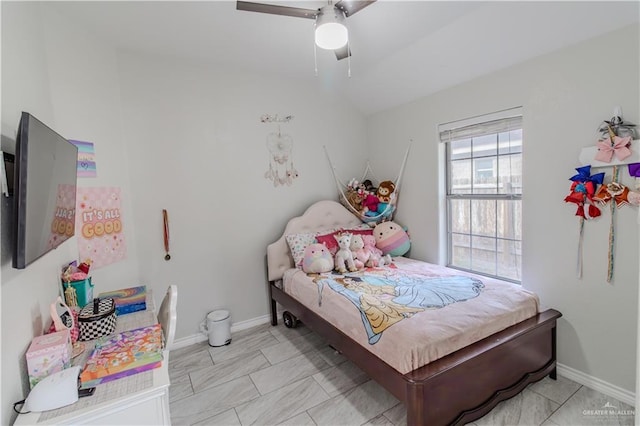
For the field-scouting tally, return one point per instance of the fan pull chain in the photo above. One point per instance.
(349, 58)
(348, 51)
(315, 57)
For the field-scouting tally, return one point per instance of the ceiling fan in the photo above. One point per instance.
(331, 33)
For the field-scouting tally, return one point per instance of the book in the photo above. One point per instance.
(125, 373)
(123, 354)
(128, 300)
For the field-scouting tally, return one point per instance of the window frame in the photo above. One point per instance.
(512, 120)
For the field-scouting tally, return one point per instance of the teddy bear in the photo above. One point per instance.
(360, 255)
(377, 203)
(385, 195)
(355, 199)
(375, 254)
(344, 257)
(385, 189)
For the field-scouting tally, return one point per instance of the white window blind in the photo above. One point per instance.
(481, 129)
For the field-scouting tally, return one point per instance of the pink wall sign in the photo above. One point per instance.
(99, 226)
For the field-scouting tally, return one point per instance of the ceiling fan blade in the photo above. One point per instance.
(349, 7)
(343, 52)
(273, 9)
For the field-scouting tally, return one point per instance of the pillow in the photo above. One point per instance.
(331, 243)
(297, 243)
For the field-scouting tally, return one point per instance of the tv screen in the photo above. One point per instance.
(44, 190)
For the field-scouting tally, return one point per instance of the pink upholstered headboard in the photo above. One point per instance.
(319, 216)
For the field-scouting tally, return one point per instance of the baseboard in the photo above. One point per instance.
(596, 384)
(237, 326)
(243, 325)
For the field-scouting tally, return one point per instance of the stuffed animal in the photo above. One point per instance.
(385, 190)
(375, 254)
(378, 204)
(355, 198)
(344, 255)
(368, 186)
(370, 205)
(360, 256)
(317, 259)
(391, 239)
(384, 195)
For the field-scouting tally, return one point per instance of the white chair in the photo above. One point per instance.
(168, 316)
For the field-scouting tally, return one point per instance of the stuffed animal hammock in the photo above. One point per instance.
(354, 195)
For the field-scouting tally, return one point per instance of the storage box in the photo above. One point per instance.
(48, 354)
(128, 300)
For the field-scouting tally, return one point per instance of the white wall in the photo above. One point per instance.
(67, 79)
(565, 96)
(183, 137)
(25, 295)
(196, 147)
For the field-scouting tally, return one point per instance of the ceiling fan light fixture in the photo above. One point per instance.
(331, 32)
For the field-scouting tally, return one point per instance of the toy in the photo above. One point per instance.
(317, 259)
(355, 198)
(344, 255)
(355, 194)
(368, 186)
(360, 256)
(391, 239)
(385, 190)
(370, 205)
(374, 205)
(375, 254)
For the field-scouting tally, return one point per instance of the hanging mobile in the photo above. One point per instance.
(165, 218)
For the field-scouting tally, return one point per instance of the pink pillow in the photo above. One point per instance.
(331, 243)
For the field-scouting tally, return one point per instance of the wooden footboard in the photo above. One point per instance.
(460, 387)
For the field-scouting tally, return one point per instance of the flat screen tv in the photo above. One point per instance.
(44, 190)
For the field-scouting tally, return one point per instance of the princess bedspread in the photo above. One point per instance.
(410, 312)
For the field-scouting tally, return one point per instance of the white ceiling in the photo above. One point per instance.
(402, 50)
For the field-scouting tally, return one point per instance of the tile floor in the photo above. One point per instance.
(280, 376)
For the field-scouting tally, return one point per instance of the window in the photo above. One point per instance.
(484, 194)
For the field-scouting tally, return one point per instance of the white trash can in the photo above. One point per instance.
(218, 326)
